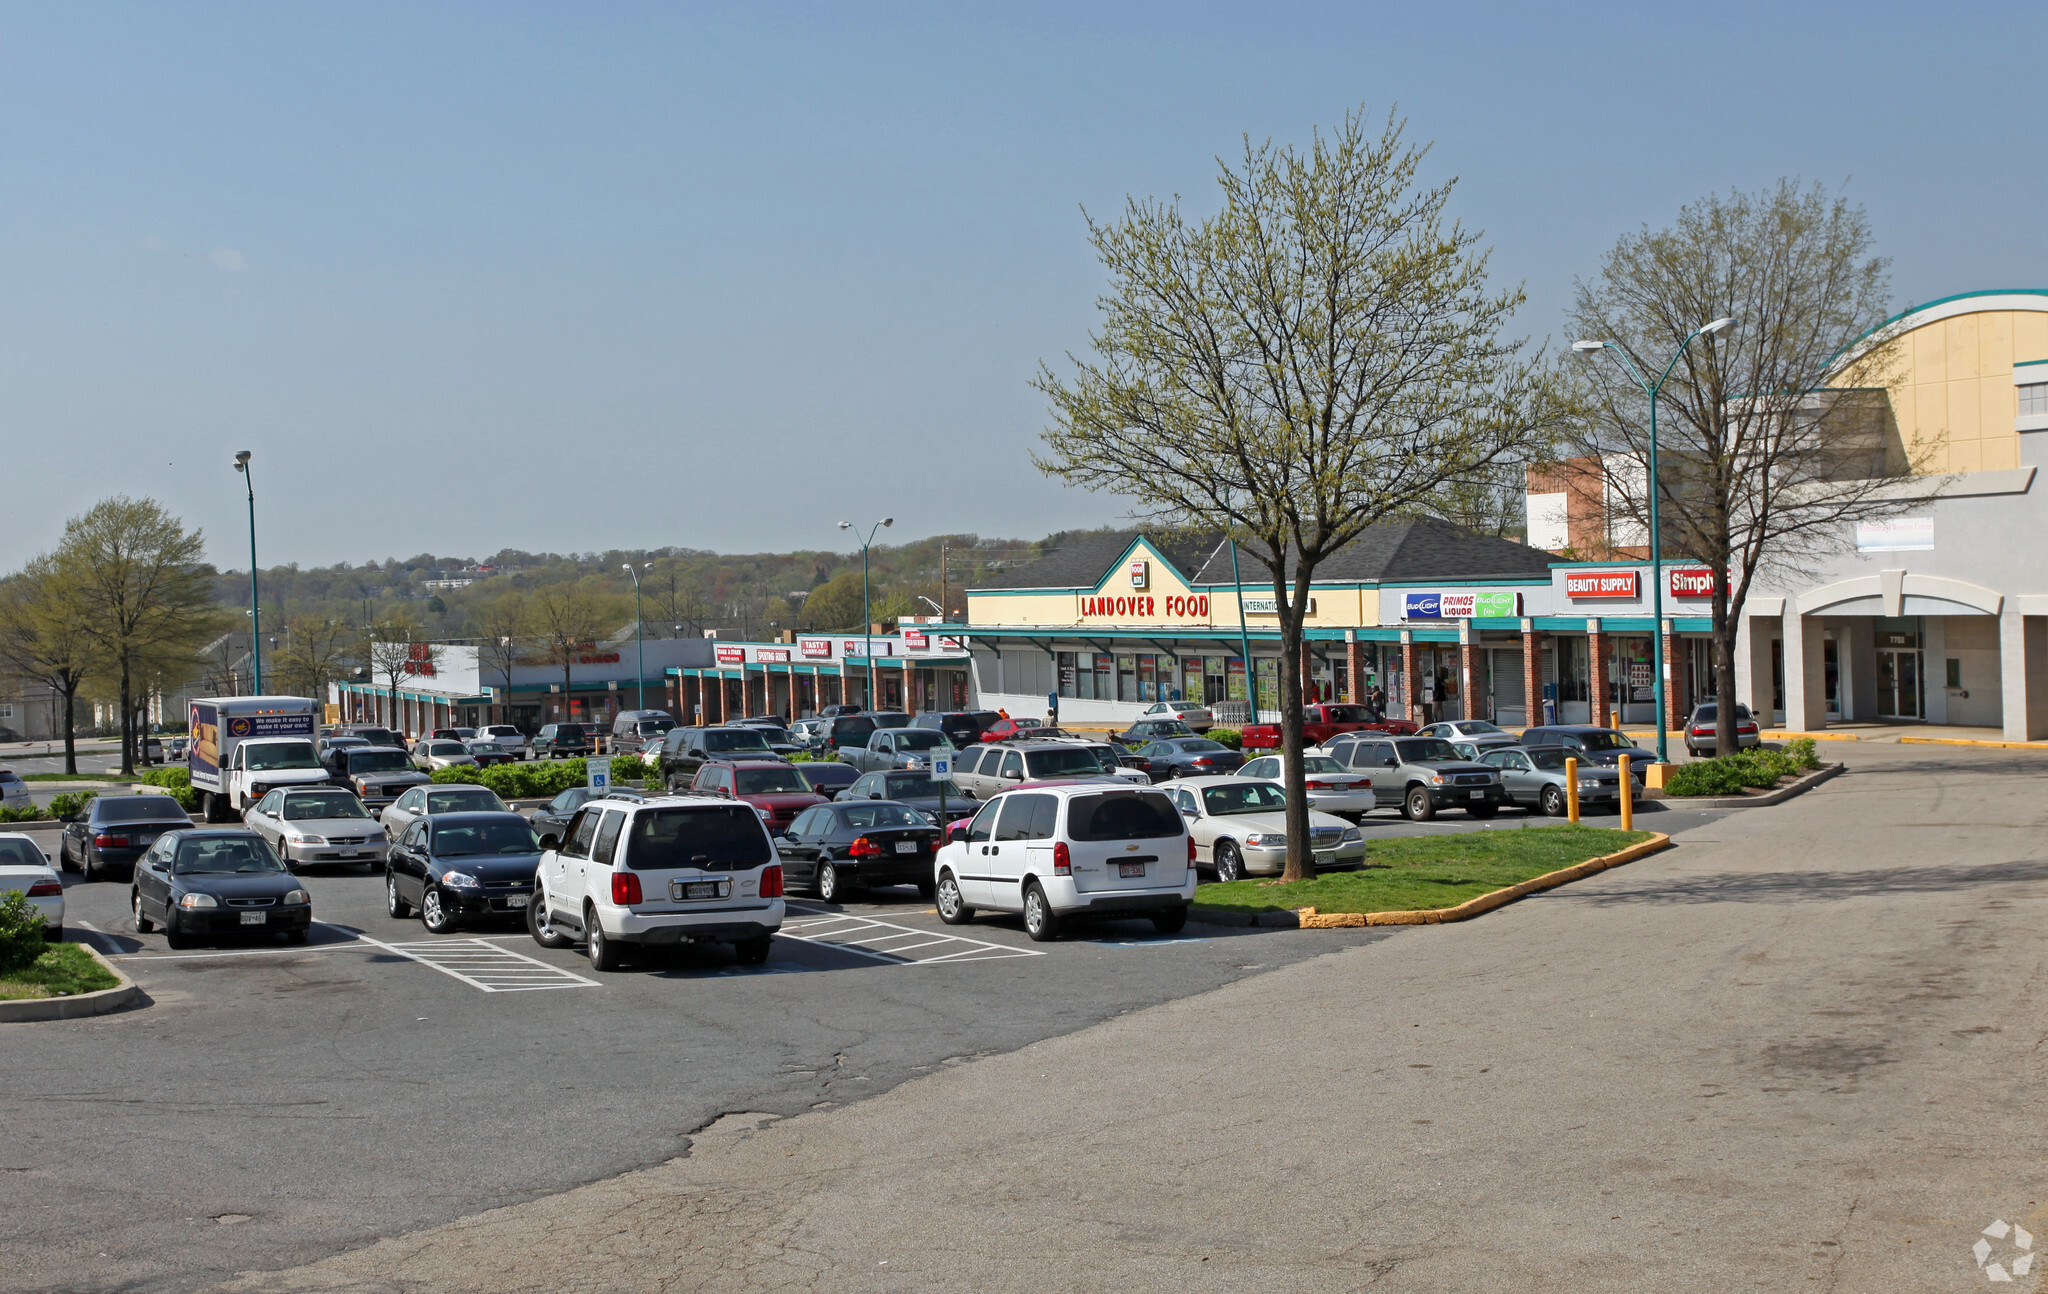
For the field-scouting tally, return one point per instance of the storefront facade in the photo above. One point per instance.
(451, 687)
(918, 668)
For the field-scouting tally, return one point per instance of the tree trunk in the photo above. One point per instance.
(70, 696)
(1301, 865)
(569, 656)
(127, 724)
(1724, 690)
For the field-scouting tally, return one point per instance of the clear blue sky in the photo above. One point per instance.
(572, 277)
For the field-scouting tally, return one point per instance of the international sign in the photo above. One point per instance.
(1602, 584)
(1270, 607)
(1460, 606)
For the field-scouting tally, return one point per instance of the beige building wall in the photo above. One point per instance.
(1952, 388)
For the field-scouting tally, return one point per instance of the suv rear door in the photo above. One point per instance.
(1125, 840)
(693, 858)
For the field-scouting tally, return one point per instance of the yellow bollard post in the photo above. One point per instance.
(1571, 787)
(1628, 798)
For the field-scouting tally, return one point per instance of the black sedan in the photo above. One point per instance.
(1148, 731)
(457, 867)
(918, 790)
(839, 848)
(1187, 757)
(217, 881)
(828, 777)
(552, 819)
(114, 830)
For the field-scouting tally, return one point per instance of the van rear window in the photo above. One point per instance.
(1122, 815)
(715, 840)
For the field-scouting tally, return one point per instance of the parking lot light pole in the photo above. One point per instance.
(1709, 331)
(867, 615)
(255, 609)
(639, 631)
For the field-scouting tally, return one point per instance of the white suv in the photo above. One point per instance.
(663, 871)
(1089, 849)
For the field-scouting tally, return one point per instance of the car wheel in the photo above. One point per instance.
(85, 871)
(603, 953)
(953, 909)
(394, 907)
(1418, 806)
(1170, 922)
(1229, 862)
(752, 952)
(540, 925)
(1483, 810)
(1040, 921)
(174, 936)
(830, 888)
(1553, 801)
(434, 914)
(64, 854)
(297, 936)
(143, 925)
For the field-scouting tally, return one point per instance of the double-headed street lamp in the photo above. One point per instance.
(255, 609)
(639, 627)
(867, 618)
(1651, 389)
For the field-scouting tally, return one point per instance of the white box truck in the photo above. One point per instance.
(243, 747)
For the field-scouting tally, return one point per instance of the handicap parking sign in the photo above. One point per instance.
(600, 773)
(942, 766)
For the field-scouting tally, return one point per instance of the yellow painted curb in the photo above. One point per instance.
(1817, 736)
(1971, 741)
(1311, 920)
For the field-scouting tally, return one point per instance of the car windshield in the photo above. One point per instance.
(1243, 797)
(917, 786)
(1122, 815)
(377, 736)
(1346, 714)
(569, 732)
(891, 719)
(772, 781)
(1476, 726)
(485, 748)
(446, 748)
(722, 740)
(21, 853)
(501, 730)
(653, 727)
(1710, 710)
(138, 808)
(378, 761)
(1549, 757)
(281, 754)
(322, 804)
(246, 855)
(497, 836)
(1604, 741)
(714, 840)
(864, 817)
(1319, 764)
(1105, 756)
(1201, 746)
(472, 801)
(1055, 763)
(828, 774)
(1427, 750)
(922, 739)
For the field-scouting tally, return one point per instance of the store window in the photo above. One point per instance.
(1127, 678)
(1067, 675)
(1269, 683)
(1234, 679)
(1148, 678)
(1191, 687)
(1573, 670)
(2033, 399)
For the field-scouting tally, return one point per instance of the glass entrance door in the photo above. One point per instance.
(1898, 683)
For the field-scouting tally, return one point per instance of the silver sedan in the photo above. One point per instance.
(440, 797)
(317, 824)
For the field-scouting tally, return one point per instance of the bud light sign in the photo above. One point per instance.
(1460, 606)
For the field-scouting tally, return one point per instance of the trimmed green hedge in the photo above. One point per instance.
(1231, 737)
(21, 931)
(1756, 768)
(178, 781)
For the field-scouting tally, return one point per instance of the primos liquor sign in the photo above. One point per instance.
(1460, 606)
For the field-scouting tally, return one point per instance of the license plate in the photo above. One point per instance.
(1478, 795)
(906, 846)
(696, 889)
(350, 853)
(518, 900)
(1130, 869)
(255, 918)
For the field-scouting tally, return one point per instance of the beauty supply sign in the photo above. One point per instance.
(1460, 606)
(1603, 584)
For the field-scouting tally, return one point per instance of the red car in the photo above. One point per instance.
(1011, 729)
(777, 789)
(1323, 721)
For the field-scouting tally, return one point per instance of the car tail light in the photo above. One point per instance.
(1191, 850)
(1702, 732)
(1062, 859)
(45, 890)
(1317, 786)
(771, 881)
(110, 842)
(862, 847)
(1201, 759)
(625, 888)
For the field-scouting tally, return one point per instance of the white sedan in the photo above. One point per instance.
(13, 791)
(26, 868)
(318, 824)
(1332, 788)
(1240, 827)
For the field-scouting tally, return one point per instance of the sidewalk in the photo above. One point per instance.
(1724, 1067)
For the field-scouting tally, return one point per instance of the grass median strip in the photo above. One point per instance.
(1425, 873)
(63, 970)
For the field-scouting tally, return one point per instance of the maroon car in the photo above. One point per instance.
(775, 788)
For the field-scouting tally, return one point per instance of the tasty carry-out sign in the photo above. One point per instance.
(1460, 606)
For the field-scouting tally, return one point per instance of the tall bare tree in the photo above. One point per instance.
(137, 572)
(315, 652)
(44, 638)
(1774, 435)
(504, 632)
(566, 621)
(1321, 354)
(399, 649)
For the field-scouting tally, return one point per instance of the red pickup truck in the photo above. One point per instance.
(1321, 722)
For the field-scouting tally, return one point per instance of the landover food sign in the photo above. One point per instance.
(1460, 605)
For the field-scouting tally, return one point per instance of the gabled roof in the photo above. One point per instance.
(1393, 552)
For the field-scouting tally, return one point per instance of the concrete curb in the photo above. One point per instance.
(1778, 796)
(1309, 919)
(1776, 733)
(1971, 741)
(123, 994)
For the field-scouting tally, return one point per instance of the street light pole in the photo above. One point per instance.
(1651, 389)
(255, 607)
(639, 633)
(867, 615)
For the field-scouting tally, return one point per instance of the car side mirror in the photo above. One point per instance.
(874, 795)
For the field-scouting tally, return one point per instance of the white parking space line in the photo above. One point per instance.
(483, 965)
(865, 935)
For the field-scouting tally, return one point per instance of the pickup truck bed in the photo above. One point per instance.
(1321, 722)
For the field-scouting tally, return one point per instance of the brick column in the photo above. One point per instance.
(1354, 668)
(1467, 675)
(1596, 652)
(1408, 706)
(1675, 704)
(1532, 675)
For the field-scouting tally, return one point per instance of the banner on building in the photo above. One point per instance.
(1460, 605)
(1602, 584)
